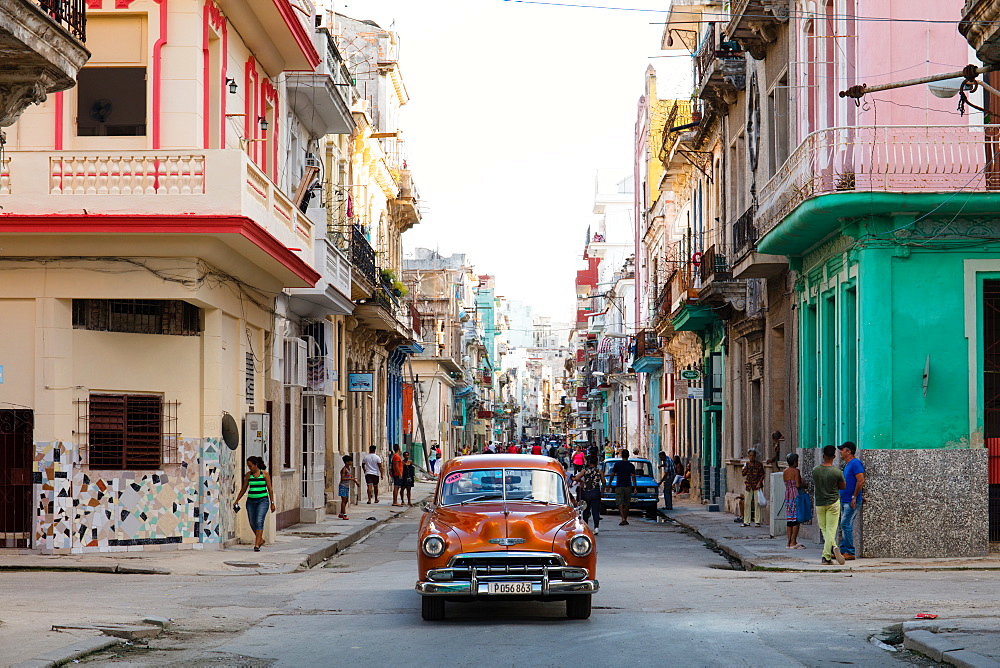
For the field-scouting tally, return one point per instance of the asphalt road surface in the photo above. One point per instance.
(665, 599)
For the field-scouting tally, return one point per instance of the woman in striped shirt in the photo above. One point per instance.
(257, 486)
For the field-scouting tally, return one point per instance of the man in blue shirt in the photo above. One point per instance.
(850, 497)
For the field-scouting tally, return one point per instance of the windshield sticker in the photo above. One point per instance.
(454, 477)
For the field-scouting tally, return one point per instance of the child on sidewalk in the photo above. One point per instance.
(346, 478)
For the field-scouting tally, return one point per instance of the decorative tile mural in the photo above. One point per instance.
(79, 510)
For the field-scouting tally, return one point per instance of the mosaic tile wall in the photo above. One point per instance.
(77, 511)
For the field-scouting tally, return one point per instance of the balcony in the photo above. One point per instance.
(332, 294)
(754, 24)
(720, 68)
(43, 51)
(747, 262)
(384, 314)
(980, 25)
(323, 98)
(365, 273)
(157, 194)
(717, 285)
(406, 205)
(278, 32)
(866, 160)
(714, 265)
(648, 356)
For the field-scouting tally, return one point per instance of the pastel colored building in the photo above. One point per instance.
(155, 218)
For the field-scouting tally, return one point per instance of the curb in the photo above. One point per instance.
(945, 650)
(116, 569)
(69, 653)
(325, 552)
(741, 556)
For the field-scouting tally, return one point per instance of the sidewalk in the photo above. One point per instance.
(960, 642)
(755, 549)
(297, 547)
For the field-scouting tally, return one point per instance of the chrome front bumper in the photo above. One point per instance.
(469, 575)
(468, 588)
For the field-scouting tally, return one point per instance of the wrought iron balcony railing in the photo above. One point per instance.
(70, 14)
(714, 265)
(744, 233)
(363, 255)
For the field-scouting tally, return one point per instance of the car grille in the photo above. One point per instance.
(508, 566)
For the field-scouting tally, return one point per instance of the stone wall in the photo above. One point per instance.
(925, 503)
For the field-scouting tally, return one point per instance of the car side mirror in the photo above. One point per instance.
(428, 508)
(581, 506)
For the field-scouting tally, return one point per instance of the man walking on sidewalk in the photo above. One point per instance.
(371, 464)
(828, 480)
(753, 477)
(623, 473)
(850, 497)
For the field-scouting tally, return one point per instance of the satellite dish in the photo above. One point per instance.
(230, 432)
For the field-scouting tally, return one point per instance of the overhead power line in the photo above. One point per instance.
(803, 15)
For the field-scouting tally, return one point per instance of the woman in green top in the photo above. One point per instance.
(260, 496)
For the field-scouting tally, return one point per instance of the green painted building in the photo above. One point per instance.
(898, 296)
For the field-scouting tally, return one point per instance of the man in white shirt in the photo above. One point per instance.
(371, 464)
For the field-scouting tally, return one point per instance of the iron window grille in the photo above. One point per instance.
(127, 432)
(137, 316)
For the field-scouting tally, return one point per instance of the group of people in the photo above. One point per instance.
(674, 477)
(838, 498)
(591, 480)
(401, 470)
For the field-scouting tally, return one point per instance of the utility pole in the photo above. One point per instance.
(417, 392)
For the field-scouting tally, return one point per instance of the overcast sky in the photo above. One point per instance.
(514, 107)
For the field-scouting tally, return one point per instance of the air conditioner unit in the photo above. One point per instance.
(320, 373)
(295, 362)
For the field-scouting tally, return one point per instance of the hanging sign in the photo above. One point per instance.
(360, 382)
(690, 374)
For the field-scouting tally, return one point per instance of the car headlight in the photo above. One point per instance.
(580, 545)
(433, 546)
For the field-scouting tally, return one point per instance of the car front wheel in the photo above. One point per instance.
(578, 607)
(432, 608)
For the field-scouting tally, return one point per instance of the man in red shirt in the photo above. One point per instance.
(396, 471)
(536, 449)
(512, 449)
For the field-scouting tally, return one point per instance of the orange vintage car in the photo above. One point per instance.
(504, 527)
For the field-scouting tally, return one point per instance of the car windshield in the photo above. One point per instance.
(642, 468)
(482, 485)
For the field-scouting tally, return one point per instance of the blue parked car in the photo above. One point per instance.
(645, 494)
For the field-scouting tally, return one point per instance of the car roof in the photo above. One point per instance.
(467, 462)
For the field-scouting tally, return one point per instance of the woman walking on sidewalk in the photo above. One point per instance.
(793, 487)
(257, 486)
(591, 481)
(409, 477)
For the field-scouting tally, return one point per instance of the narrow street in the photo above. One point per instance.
(665, 599)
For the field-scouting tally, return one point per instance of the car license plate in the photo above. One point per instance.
(508, 587)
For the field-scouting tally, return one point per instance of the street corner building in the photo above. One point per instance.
(189, 242)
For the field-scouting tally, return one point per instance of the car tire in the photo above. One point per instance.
(578, 607)
(432, 608)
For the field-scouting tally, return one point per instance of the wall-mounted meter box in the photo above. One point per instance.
(257, 436)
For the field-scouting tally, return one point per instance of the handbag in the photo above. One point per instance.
(803, 507)
(761, 499)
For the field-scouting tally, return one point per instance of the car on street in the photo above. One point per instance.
(645, 493)
(504, 527)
